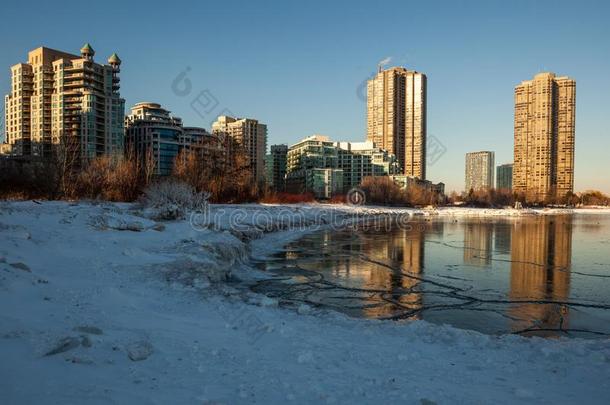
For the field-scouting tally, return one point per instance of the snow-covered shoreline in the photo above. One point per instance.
(99, 304)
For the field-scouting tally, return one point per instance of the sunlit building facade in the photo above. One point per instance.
(251, 135)
(359, 160)
(396, 117)
(312, 166)
(545, 114)
(60, 98)
(345, 164)
(479, 173)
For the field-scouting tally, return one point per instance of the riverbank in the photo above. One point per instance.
(101, 304)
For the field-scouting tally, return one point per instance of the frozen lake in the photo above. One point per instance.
(544, 276)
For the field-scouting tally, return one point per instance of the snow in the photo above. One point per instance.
(99, 304)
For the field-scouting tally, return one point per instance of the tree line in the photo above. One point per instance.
(220, 167)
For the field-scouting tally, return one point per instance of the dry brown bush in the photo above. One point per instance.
(383, 190)
(593, 197)
(219, 166)
(63, 176)
(487, 198)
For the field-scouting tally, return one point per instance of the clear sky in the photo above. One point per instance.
(298, 66)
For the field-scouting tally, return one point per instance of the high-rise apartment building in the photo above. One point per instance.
(275, 166)
(249, 133)
(396, 117)
(545, 110)
(152, 132)
(60, 98)
(479, 170)
(504, 177)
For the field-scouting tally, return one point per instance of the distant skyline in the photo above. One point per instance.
(300, 68)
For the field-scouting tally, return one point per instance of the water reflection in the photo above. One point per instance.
(541, 255)
(405, 253)
(477, 244)
(491, 275)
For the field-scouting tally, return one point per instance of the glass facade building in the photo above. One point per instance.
(152, 132)
(275, 167)
(504, 177)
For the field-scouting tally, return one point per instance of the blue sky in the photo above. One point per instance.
(298, 66)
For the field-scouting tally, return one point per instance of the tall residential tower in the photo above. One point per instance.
(479, 170)
(545, 110)
(57, 97)
(396, 117)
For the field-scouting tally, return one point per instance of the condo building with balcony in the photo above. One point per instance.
(545, 115)
(396, 117)
(312, 166)
(364, 159)
(152, 132)
(479, 170)
(58, 98)
(320, 166)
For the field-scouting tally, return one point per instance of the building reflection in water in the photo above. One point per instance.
(541, 253)
(478, 243)
(404, 251)
(502, 237)
(536, 251)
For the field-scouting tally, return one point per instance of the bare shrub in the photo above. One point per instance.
(220, 166)
(420, 195)
(63, 174)
(110, 178)
(171, 199)
(590, 197)
(383, 190)
(487, 197)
